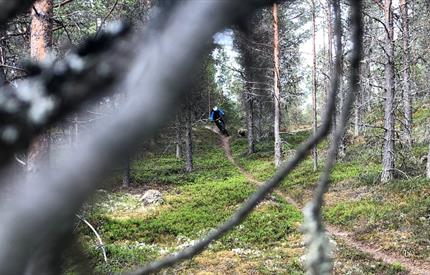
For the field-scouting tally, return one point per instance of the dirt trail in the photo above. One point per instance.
(412, 266)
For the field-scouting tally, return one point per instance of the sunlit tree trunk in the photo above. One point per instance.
(314, 85)
(278, 156)
(178, 138)
(407, 98)
(40, 43)
(388, 150)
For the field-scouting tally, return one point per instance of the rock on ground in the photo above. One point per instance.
(152, 197)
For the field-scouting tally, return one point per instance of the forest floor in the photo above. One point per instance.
(373, 249)
(378, 229)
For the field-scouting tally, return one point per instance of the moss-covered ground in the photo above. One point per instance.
(395, 216)
(267, 242)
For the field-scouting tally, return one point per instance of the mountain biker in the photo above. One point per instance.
(217, 116)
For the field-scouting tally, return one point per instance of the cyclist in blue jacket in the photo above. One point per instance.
(217, 116)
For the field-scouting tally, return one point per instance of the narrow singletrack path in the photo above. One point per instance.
(412, 266)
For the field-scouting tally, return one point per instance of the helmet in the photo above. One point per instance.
(215, 108)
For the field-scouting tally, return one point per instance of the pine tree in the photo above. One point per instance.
(388, 155)
(40, 44)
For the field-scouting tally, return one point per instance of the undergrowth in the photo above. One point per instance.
(357, 201)
(196, 203)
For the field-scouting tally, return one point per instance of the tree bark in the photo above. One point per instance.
(257, 119)
(428, 163)
(407, 98)
(249, 110)
(40, 43)
(359, 104)
(330, 42)
(188, 142)
(41, 29)
(358, 119)
(2, 60)
(178, 141)
(341, 93)
(278, 154)
(126, 177)
(314, 85)
(388, 156)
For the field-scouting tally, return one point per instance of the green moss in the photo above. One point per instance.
(200, 201)
(421, 115)
(121, 256)
(348, 213)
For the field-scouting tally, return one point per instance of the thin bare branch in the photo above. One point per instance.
(319, 261)
(99, 239)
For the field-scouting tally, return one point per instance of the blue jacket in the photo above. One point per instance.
(216, 114)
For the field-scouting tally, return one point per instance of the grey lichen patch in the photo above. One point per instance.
(319, 255)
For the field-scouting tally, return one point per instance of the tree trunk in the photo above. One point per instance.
(178, 141)
(40, 43)
(330, 42)
(359, 105)
(407, 98)
(366, 92)
(358, 119)
(209, 102)
(41, 29)
(278, 156)
(314, 85)
(341, 94)
(342, 144)
(428, 163)
(2, 60)
(249, 120)
(388, 150)
(188, 142)
(126, 177)
(257, 119)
